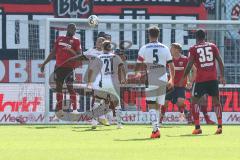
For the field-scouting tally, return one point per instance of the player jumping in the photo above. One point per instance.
(65, 48)
(92, 54)
(112, 75)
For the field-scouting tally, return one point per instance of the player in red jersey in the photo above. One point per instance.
(65, 48)
(177, 95)
(203, 56)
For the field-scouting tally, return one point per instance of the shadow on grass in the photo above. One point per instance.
(188, 135)
(79, 127)
(42, 127)
(134, 139)
(169, 126)
(93, 130)
(163, 126)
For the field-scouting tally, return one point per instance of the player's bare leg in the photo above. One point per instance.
(181, 105)
(218, 111)
(185, 115)
(205, 114)
(203, 105)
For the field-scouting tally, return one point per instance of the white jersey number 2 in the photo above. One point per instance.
(108, 62)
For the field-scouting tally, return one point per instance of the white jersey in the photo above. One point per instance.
(93, 52)
(155, 53)
(92, 55)
(156, 56)
(109, 66)
(108, 73)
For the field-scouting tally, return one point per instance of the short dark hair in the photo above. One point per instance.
(71, 24)
(153, 31)
(104, 35)
(101, 34)
(200, 34)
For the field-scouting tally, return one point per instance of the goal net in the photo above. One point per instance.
(127, 36)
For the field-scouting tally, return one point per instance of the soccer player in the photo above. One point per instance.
(153, 57)
(92, 54)
(203, 56)
(203, 100)
(177, 95)
(65, 48)
(112, 74)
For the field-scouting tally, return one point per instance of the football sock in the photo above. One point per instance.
(74, 100)
(218, 112)
(195, 112)
(163, 111)
(204, 111)
(59, 101)
(154, 119)
(118, 114)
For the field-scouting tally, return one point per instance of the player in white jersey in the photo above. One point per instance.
(92, 54)
(111, 76)
(152, 60)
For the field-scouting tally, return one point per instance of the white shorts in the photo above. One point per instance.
(107, 89)
(156, 94)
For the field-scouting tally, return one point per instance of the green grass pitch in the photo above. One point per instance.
(79, 142)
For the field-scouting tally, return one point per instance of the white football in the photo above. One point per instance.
(93, 20)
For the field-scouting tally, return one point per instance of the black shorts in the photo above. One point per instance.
(62, 74)
(208, 87)
(177, 92)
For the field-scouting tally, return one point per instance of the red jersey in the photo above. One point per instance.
(179, 67)
(62, 55)
(204, 56)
